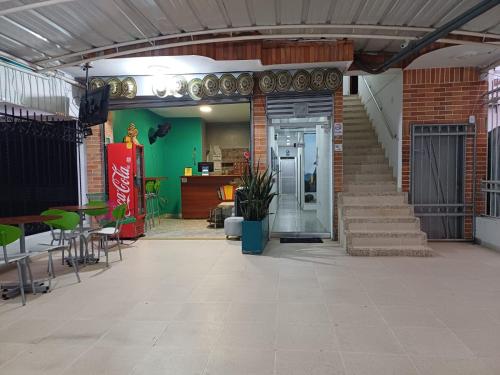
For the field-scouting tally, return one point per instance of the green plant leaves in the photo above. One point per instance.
(257, 193)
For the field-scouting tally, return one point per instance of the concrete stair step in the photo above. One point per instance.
(405, 223)
(361, 159)
(410, 251)
(367, 167)
(367, 199)
(385, 238)
(350, 120)
(355, 128)
(360, 134)
(358, 107)
(350, 98)
(368, 177)
(377, 210)
(356, 115)
(365, 151)
(380, 187)
(364, 142)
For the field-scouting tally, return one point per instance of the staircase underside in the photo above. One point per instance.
(375, 219)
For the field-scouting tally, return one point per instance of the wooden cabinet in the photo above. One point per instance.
(199, 194)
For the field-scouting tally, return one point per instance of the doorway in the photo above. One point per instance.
(302, 163)
(439, 159)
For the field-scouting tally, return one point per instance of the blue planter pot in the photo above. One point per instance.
(255, 236)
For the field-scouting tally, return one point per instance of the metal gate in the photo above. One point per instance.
(438, 178)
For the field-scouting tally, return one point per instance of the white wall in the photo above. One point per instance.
(273, 207)
(324, 177)
(37, 92)
(487, 233)
(487, 228)
(346, 85)
(228, 135)
(387, 88)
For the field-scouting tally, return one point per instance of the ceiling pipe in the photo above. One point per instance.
(416, 46)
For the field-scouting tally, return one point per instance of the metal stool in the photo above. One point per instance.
(150, 195)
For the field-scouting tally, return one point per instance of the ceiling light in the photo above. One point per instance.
(205, 109)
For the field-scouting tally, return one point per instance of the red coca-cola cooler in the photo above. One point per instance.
(126, 184)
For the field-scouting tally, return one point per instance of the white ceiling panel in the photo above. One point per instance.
(237, 12)
(345, 11)
(95, 19)
(181, 14)
(221, 113)
(108, 12)
(24, 35)
(210, 13)
(318, 11)
(290, 11)
(265, 12)
(70, 21)
(373, 11)
(50, 30)
(487, 21)
(155, 15)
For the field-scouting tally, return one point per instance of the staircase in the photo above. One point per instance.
(374, 218)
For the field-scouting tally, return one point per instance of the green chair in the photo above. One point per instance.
(96, 213)
(9, 234)
(56, 237)
(112, 230)
(68, 225)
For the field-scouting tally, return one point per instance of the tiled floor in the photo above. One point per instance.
(201, 307)
(291, 218)
(170, 228)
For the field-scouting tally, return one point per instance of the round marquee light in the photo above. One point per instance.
(205, 109)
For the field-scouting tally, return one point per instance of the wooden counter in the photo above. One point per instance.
(199, 194)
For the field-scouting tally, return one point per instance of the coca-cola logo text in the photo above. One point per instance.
(120, 179)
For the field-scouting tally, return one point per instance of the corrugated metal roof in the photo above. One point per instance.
(37, 30)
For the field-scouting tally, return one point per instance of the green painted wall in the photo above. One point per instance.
(168, 155)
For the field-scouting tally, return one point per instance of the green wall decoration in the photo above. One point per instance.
(169, 155)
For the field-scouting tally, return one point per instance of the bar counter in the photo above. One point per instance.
(199, 194)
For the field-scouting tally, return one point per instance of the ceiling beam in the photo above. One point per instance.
(268, 28)
(311, 37)
(37, 5)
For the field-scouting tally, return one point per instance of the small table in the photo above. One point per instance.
(155, 178)
(81, 211)
(11, 290)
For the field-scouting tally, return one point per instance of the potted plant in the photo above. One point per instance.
(256, 198)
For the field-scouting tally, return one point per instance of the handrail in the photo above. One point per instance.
(386, 122)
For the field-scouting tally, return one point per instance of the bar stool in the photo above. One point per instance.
(156, 200)
(150, 193)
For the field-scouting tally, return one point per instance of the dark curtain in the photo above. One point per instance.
(38, 168)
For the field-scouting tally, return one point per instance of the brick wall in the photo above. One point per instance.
(444, 96)
(338, 158)
(93, 147)
(259, 129)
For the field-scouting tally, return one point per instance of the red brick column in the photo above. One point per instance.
(259, 131)
(444, 96)
(95, 157)
(338, 156)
